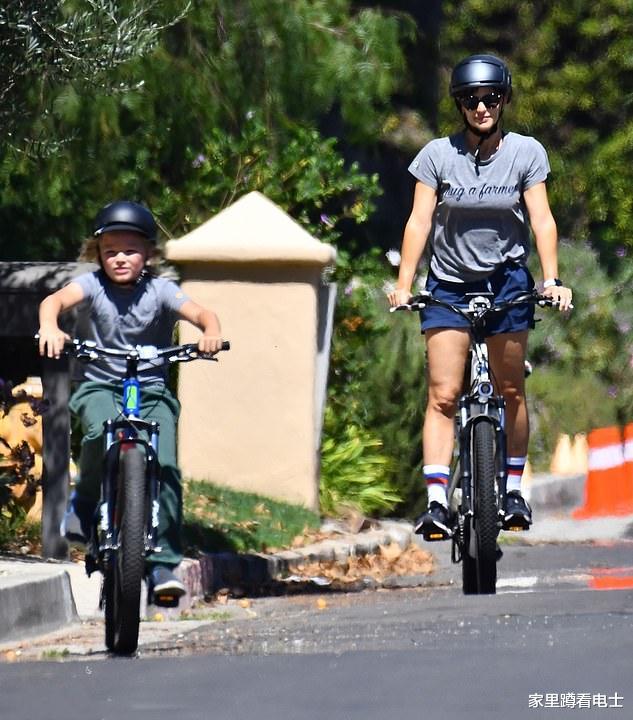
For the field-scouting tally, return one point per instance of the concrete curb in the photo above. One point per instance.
(252, 573)
(35, 602)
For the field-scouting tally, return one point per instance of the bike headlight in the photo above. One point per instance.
(485, 389)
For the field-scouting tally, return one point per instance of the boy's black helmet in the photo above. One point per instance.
(481, 71)
(126, 215)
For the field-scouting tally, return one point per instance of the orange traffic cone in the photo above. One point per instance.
(607, 486)
(627, 486)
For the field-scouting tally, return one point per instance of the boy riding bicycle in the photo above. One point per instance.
(122, 305)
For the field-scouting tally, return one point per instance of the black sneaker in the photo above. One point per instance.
(517, 513)
(164, 588)
(77, 521)
(434, 524)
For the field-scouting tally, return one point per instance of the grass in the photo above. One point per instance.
(53, 654)
(215, 519)
(17, 533)
(220, 519)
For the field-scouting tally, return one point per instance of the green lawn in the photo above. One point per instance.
(217, 519)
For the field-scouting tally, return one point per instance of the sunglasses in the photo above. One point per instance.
(471, 102)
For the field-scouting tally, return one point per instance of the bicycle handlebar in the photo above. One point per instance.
(88, 350)
(420, 301)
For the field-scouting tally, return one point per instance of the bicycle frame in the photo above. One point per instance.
(478, 403)
(121, 434)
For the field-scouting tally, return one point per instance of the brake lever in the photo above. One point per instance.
(407, 306)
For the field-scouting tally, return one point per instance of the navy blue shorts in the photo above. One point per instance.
(506, 282)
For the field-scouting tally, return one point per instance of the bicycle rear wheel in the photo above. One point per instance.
(124, 568)
(479, 563)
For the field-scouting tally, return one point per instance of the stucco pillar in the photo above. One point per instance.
(252, 421)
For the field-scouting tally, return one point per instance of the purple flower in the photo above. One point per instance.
(352, 285)
(198, 160)
(620, 251)
(612, 392)
(326, 220)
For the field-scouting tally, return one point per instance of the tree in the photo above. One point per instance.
(48, 44)
(572, 70)
(229, 102)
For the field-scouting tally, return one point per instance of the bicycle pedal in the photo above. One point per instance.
(91, 564)
(165, 601)
(436, 536)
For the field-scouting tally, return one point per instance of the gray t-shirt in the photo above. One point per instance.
(120, 318)
(480, 220)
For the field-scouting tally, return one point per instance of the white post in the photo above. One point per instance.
(253, 420)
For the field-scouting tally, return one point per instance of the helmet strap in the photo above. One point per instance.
(483, 135)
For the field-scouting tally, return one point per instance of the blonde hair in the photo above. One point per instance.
(89, 252)
(155, 263)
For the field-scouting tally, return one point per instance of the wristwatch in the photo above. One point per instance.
(554, 282)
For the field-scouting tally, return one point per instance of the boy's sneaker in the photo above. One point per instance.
(517, 514)
(164, 587)
(77, 521)
(434, 524)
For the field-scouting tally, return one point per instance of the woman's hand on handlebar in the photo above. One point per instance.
(51, 342)
(561, 295)
(399, 296)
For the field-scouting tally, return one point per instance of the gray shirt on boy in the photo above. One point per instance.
(480, 221)
(122, 317)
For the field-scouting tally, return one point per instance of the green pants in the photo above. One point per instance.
(96, 402)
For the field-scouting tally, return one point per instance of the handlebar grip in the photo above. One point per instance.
(226, 345)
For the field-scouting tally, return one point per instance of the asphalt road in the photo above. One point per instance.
(556, 641)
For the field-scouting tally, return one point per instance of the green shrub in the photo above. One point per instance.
(355, 474)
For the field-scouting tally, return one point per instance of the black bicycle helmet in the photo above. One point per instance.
(481, 71)
(126, 215)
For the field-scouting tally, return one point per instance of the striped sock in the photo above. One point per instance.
(514, 470)
(436, 477)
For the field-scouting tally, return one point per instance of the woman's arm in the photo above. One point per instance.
(51, 337)
(207, 321)
(416, 233)
(546, 238)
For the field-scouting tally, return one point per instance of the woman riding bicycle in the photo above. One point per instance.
(122, 305)
(477, 195)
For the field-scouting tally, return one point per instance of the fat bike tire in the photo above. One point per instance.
(485, 524)
(124, 567)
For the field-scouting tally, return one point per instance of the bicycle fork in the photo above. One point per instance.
(472, 411)
(119, 439)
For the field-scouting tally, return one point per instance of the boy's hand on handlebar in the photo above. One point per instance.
(51, 342)
(210, 344)
(561, 295)
(399, 297)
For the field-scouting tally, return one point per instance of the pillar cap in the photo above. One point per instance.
(251, 230)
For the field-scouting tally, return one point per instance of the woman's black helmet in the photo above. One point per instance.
(481, 71)
(126, 215)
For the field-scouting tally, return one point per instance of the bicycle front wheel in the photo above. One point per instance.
(125, 566)
(480, 571)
